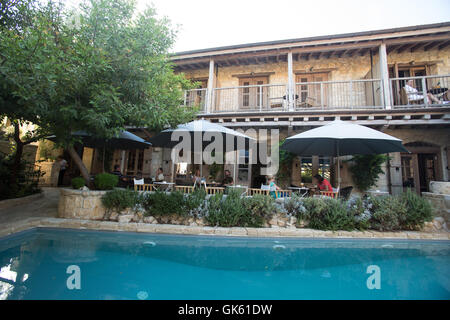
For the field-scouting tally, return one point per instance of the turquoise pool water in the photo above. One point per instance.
(115, 265)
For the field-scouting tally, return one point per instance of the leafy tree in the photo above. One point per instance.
(285, 160)
(366, 170)
(99, 69)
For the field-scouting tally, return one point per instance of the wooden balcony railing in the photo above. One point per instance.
(428, 91)
(365, 94)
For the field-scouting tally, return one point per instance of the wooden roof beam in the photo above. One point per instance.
(350, 53)
(262, 60)
(445, 44)
(405, 47)
(244, 62)
(432, 45)
(341, 53)
(363, 52)
(392, 48)
(329, 54)
(417, 39)
(418, 46)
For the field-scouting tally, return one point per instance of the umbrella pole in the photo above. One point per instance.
(339, 169)
(201, 164)
(234, 168)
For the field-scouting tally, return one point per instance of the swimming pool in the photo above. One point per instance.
(50, 263)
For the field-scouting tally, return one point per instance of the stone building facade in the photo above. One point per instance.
(298, 84)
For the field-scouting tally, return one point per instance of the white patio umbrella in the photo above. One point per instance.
(340, 138)
(197, 129)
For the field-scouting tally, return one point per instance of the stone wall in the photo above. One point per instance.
(29, 151)
(438, 137)
(51, 172)
(81, 204)
(440, 187)
(439, 198)
(344, 68)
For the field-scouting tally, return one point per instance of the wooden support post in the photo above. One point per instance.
(384, 73)
(209, 97)
(291, 85)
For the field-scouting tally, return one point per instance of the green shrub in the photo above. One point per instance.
(120, 199)
(160, 203)
(194, 200)
(294, 206)
(313, 206)
(359, 209)
(234, 211)
(78, 182)
(260, 206)
(366, 169)
(106, 181)
(387, 213)
(27, 178)
(418, 210)
(328, 214)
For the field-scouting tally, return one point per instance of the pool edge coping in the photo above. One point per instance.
(64, 223)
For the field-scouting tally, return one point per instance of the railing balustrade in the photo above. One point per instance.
(196, 98)
(427, 91)
(325, 95)
(332, 95)
(266, 97)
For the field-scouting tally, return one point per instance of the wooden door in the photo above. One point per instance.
(135, 162)
(253, 98)
(405, 72)
(427, 170)
(309, 95)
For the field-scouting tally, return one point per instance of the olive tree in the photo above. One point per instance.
(98, 68)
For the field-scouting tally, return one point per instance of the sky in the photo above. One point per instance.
(212, 23)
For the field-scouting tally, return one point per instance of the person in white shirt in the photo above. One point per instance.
(159, 175)
(413, 94)
(62, 170)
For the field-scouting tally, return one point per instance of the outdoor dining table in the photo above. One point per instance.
(302, 191)
(213, 184)
(438, 92)
(239, 187)
(168, 185)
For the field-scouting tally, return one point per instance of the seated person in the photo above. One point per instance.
(159, 175)
(117, 170)
(323, 184)
(197, 179)
(272, 186)
(227, 179)
(122, 180)
(413, 94)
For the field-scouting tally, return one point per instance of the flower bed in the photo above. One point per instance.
(386, 213)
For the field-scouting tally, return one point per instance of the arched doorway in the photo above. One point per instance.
(421, 166)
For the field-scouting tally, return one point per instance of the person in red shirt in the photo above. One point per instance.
(323, 184)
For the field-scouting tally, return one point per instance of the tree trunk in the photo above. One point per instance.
(83, 170)
(17, 156)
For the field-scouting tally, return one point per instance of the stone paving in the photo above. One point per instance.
(45, 205)
(42, 212)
